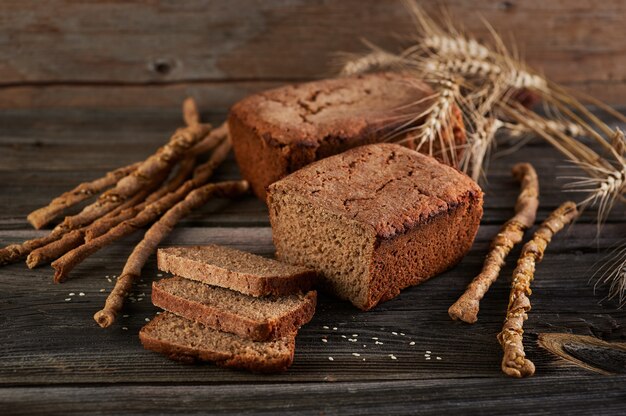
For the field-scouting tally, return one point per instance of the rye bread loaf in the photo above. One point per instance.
(374, 220)
(188, 341)
(236, 270)
(258, 319)
(277, 132)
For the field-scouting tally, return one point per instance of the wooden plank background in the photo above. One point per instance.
(151, 54)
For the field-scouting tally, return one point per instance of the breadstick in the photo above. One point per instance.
(15, 252)
(191, 114)
(153, 237)
(211, 140)
(150, 213)
(467, 306)
(514, 361)
(85, 190)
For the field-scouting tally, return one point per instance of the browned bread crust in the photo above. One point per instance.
(374, 220)
(187, 341)
(236, 270)
(277, 132)
(229, 311)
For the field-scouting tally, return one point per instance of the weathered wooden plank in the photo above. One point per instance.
(48, 340)
(549, 395)
(69, 44)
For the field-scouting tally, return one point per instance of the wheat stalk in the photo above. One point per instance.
(612, 272)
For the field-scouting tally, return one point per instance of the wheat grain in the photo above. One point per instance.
(373, 61)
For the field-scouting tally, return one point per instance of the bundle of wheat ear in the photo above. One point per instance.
(159, 190)
(496, 92)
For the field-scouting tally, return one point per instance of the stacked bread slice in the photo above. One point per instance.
(234, 308)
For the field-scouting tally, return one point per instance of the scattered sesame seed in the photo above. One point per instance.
(352, 339)
(363, 359)
(394, 333)
(356, 354)
(124, 316)
(110, 281)
(331, 359)
(374, 337)
(343, 336)
(325, 327)
(355, 335)
(427, 352)
(107, 276)
(147, 319)
(412, 343)
(159, 274)
(81, 294)
(428, 358)
(393, 357)
(364, 346)
(139, 299)
(124, 328)
(324, 340)
(378, 343)
(68, 299)
(71, 293)
(402, 333)
(334, 328)
(439, 358)
(102, 290)
(158, 313)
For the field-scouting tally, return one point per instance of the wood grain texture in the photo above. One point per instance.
(145, 54)
(55, 359)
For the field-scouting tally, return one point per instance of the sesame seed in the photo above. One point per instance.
(364, 346)
(107, 276)
(356, 354)
(110, 281)
(352, 339)
(124, 316)
(378, 343)
(139, 299)
(158, 313)
(393, 357)
(427, 352)
(428, 358)
(363, 359)
(374, 337)
(343, 336)
(159, 274)
(81, 294)
(325, 327)
(124, 328)
(334, 328)
(68, 299)
(331, 359)
(355, 335)
(402, 333)
(102, 290)
(324, 340)
(394, 333)
(412, 343)
(71, 294)
(439, 358)
(147, 319)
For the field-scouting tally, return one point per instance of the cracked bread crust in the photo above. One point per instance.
(279, 131)
(419, 217)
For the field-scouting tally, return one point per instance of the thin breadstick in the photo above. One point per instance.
(150, 213)
(15, 252)
(214, 138)
(104, 224)
(514, 361)
(153, 237)
(191, 114)
(162, 161)
(512, 232)
(42, 216)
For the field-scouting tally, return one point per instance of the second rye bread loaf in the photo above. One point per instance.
(236, 270)
(279, 131)
(258, 319)
(374, 220)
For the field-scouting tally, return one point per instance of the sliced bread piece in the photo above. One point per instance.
(237, 270)
(258, 319)
(184, 340)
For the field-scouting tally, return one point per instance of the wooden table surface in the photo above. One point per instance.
(55, 359)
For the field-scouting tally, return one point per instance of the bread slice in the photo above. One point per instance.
(258, 319)
(184, 340)
(237, 270)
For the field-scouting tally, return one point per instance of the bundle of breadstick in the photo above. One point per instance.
(161, 190)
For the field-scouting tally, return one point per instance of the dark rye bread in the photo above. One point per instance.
(236, 270)
(279, 131)
(258, 319)
(374, 220)
(184, 340)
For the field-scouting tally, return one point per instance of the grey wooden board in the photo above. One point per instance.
(55, 358)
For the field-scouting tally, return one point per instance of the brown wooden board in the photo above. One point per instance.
(71, 54)
(55, 359)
